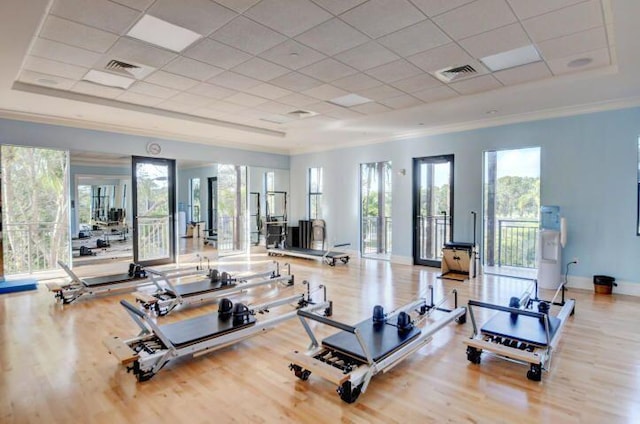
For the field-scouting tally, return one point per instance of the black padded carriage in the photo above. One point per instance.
(521, 328)
(194, 330)
(199, 287)
(381, 340)
(107, 280)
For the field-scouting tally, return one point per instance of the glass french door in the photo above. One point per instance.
(375, 210)
(433, 207)
(153, 210)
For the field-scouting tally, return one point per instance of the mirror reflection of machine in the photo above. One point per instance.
(552, 237)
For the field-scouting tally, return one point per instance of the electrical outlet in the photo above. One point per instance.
(575, 261)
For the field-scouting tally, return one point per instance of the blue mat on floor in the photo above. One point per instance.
(18, 285)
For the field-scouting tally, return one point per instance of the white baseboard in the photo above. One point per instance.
(401, 260)
(586, 283)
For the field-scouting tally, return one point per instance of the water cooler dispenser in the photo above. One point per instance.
(551, 239)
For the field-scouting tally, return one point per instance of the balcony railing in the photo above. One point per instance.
(32, 247)
(516, 242)
(433, 232)
(153, 238)
(371, 243)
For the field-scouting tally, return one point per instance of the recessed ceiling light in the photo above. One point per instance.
(350, 100)
(491, 112)
(512, 58)
(47, 81)
(105, 78)
(577, 63)
(163, 34)
(421, 124)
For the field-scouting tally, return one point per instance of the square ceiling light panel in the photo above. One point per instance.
(108, 79)
(350, 100)
(162, 33)
(512, 58)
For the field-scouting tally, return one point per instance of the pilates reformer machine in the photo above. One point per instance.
(156, 345)
(329, 256)
(166, 295)
(84, 287)
(519, 333)
(351, 358)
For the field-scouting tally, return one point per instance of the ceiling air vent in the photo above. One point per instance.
(135, 70)
(452, 74)
(301, 113)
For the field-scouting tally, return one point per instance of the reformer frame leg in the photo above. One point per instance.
(348, 393)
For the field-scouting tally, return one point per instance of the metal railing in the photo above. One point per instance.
(433, 232)
(370, 241)
(153, 238)
(32, 247)
(516, 244)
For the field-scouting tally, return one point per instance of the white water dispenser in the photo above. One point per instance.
(551, 239)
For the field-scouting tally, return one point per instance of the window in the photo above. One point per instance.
(638, 226)
(315, 193)
(194, 200)
(269, 188)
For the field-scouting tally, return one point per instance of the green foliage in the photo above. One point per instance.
(518, 197)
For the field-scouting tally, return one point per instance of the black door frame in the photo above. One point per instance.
(171, 183)
(416, 204)
(212, 213)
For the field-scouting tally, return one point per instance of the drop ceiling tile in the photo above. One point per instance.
(176, 106)
(170, 80)
(324, 107)
(328, 70)
(440, 58)
(46, 80)
(325, 92)
(275, 107)
(216, 54)
(64, 53)
(370, 108)
(261, 69)
(128, 49)
(381, 17)
(569, 45)
(268, 91)
(297, 99)
(417, 38)
(292, 55)
(147, 89)
(249, 36)
(244, 99)
(51, 67)
(233, 81)
(237, 5)
(338, 6)
(191, 99)
(102, 14)
(78, 35)
(212, 91)
(476, 85)
(192, 68)
(209, 113)
(417, 83)
(394, 71)
(138, 99)
(599, 58)
(201, 16)
(435, 94)
(475, 18)
(496, 41)
(380, 93)
(525, 73)
(367, 56)
(135, 4)
(226, 107)
(332, 37)
(401, 102)
(356, 82)
(436, 7)
(344, 113)
(296, 82)
(289, 17)
(565, 21)
(526, 8)
(97, 90)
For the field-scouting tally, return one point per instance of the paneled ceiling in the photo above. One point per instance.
(274, 74)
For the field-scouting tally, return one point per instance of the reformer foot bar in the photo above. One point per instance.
(156, 345)
(217, 285)
(351, 358)
(87, 287)
(519, 335)
(329, 256)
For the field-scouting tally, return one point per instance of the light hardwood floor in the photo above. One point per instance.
(55, 369)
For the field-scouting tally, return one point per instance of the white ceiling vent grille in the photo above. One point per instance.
(135, 70)
(452, 74)
(300, 114)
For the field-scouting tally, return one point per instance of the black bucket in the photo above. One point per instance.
(603, 284)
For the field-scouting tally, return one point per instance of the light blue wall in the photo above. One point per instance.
(184, 177)
(589, 168)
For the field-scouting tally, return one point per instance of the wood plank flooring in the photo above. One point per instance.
(55, 368)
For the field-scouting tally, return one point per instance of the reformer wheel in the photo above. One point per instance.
(348, 394)
(345, 260)
(462, 319)
(473, 355)
(535, 372)
(302, 374)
